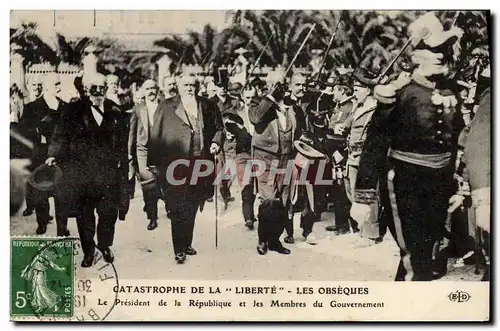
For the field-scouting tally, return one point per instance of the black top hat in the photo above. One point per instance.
(307, 150)
(45, 178)
(222, 78)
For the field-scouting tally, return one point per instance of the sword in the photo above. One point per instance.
(328, 50)
(455, 18)
(389, 66)
(295, 56)
(257, 61)
(300, 49)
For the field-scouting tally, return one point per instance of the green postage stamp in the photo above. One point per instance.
(42, 277)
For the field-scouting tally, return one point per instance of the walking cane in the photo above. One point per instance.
(216, 205)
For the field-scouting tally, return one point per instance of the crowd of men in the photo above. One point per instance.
(401, 156)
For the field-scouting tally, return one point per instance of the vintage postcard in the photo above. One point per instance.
(250, 165)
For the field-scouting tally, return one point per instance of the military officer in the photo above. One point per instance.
(342, 97)
(412, 141)
(358, 125)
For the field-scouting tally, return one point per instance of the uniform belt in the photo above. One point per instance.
(356, 146)
(435, 161)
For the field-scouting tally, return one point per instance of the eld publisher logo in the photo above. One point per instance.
(459, 296)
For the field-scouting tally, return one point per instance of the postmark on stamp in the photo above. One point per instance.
(42, 277)
(95, 295)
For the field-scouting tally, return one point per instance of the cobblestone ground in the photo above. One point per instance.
(149, 254)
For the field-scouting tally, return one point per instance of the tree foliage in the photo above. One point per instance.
(362, 38)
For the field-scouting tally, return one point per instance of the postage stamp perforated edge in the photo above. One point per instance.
(35, 318)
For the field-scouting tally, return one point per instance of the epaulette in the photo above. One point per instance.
(387, 93)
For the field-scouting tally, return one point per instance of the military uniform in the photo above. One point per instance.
(412, 141)
(336, 148)
(358, 125)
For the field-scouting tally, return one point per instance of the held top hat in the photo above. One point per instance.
(45, 178)
(230, 117)
(307, 150)
(148, 180)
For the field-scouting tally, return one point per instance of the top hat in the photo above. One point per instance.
(230, 117)
(222, 78)
(232, 122)
(148, 179)
(45, 178)
(307, 150)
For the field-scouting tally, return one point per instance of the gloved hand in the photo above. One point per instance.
(360, 212)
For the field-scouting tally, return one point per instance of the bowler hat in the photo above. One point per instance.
(45, 178)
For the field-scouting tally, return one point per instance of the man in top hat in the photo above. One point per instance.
(222, 98)
(412, 141)
(276, 128)
(229, 149)
(311, 196)
(145, 119)
(341, 88)
(188, 130)
(294, 99)
(226, 103)
(37, 124)
(90, 145)
(120, 101)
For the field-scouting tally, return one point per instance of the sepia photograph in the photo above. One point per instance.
(184, 161)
